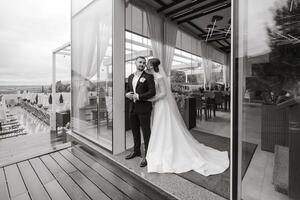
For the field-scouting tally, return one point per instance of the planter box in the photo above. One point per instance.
(294, 144)
(188, 112)
(274, 127)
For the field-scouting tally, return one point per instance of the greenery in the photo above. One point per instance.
(281, 76)
(177, 76)
(61, 87)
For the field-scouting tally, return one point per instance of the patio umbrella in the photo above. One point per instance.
(36, 99)
(61, 99)
(50, 99)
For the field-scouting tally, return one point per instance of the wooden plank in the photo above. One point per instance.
(15, 182)
(66, 165)
(127, 177)
(89, 187)
(122, 185)
(52, 186)
(41, 170)
(11, 157)
(182, 8)
(32, 182)
(170, 5)
(160, 2)
(108, 188)
(204, 13)
(24, 196)
(55, 191)
(3, 186)
(71, 188)
(206, 6)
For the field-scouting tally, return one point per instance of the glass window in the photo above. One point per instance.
(186, 69)
(92, 72)
(269, 85)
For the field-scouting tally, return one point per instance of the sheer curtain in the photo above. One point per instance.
(207, 64)
(170, 36)
(227, 70)
(163, 34)
(91, 32)
(156, 31)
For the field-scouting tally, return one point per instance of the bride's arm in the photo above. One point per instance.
(162, 88)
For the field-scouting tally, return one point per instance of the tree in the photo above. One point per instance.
(282, 74)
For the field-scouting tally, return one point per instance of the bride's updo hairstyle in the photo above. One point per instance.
(155, 62)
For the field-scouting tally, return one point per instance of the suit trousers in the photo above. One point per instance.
(137, 121)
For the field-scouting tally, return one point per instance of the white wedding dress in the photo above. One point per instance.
(172, 148)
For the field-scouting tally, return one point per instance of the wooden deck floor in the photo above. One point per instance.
(71, 173)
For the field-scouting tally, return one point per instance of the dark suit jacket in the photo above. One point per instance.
(145, 90)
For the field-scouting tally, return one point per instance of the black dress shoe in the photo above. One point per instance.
(143, 163)
(133, 155)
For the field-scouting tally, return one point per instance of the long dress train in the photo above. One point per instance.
(172, 148)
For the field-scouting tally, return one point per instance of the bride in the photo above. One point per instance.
(172, 148)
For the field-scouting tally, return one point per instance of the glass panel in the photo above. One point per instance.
(136, 45)
(77, 6)
(270, 87)
(92, 72)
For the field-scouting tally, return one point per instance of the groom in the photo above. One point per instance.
(140, 88)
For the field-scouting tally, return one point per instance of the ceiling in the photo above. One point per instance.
(209, 20)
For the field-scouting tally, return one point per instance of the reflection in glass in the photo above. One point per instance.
(92, 71)
(270, 93)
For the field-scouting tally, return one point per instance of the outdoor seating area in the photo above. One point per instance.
(9, 124)
(211, 101)
(11, 128)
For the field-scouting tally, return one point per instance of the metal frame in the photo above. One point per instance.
(62, 50)
(236, 108)
(186, 10)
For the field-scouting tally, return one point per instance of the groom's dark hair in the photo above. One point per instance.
(142, 57)
(155, 62)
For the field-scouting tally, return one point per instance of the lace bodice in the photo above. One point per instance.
(157, 77)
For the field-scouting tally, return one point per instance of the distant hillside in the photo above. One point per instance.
(12, 89)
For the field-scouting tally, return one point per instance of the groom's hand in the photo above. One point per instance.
(129, 95)
(135, 97)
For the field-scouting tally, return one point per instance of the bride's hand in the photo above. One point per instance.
(152, 100)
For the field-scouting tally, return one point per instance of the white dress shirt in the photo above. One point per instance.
(135, 80)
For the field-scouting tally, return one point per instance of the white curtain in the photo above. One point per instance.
(170, 36)
(163, 34)
(207, 72)
(207, 63)
(156, 31)
(91, 32)
(227, 69)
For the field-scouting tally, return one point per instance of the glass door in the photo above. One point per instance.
(267, 67)
(92, 70)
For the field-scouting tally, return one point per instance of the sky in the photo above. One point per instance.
(260, 16)
(29, 31)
